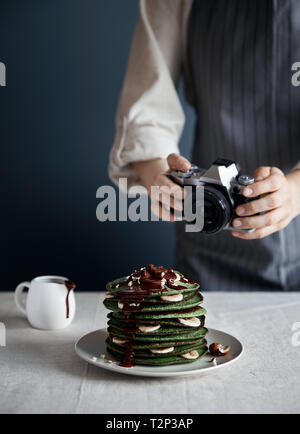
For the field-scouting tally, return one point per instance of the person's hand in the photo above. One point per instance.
(280, 203)
(152, 173)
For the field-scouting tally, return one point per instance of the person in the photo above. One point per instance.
(236, 59)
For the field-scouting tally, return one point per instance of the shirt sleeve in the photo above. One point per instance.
(150, 118)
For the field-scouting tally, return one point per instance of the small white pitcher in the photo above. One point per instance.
(50, 302)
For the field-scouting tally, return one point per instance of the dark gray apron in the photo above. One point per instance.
(240, 55)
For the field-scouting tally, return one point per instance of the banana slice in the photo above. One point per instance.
(190, 322)
(178, 277)
(192, 355)
(148, 329)
(118, 341)
(120, 305)
(174, 298)
(109, 295)
(162, 350)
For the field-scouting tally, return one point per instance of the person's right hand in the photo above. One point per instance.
(152, 173)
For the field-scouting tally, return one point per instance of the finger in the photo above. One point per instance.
(168, 202)
(266, 203)
(161, 179)
(171, 198)
(260, 233)
(177, 162)
(270, 218)
(268, 185)
(161, 211)
(167, 192)
(262, 173)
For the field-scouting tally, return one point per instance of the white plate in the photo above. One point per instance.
(92, 345)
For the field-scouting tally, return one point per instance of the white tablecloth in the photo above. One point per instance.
(40, 372)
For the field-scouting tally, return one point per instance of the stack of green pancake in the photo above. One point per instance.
(166, 328)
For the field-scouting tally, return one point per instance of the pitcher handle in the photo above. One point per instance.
(18, 296)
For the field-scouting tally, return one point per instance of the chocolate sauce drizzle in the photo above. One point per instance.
(70, 286)
(142, 283)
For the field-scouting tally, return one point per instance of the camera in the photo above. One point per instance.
(223, 185)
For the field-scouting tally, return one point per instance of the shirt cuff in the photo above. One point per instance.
(135, 144)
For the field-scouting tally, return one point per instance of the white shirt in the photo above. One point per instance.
(150, 118)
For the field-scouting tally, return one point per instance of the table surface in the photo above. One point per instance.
(40, 372)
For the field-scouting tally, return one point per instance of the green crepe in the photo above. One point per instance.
(163, 329)
(142, 351)
(146, 337)
(157, 300)
(148, 358)
(118, 318)
(155, 307)
(186, 313)
(189, 287)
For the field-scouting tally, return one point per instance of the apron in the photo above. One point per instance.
(240, 56)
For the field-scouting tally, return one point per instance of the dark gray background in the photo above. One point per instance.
(65, 62)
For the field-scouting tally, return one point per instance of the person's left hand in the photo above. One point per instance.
(279, 201)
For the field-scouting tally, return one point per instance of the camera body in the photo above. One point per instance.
(223, 185)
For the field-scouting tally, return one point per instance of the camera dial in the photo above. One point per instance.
(245, 180)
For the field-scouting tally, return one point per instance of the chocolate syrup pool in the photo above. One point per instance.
(142, 283)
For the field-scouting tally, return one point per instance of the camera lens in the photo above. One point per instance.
(217, 210)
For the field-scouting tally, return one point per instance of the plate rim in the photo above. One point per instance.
(143, 373)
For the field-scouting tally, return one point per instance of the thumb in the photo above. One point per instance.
(177, 162)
